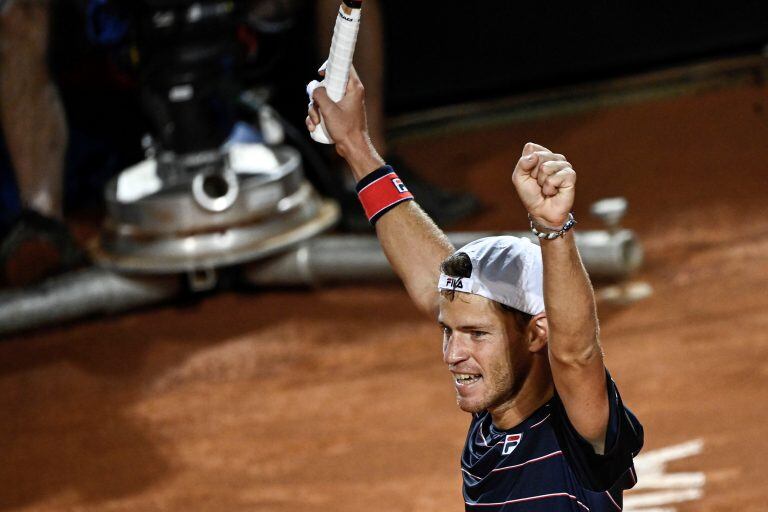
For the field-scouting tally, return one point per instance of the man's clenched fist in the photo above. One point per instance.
(545, 183)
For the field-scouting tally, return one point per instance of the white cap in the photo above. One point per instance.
(506, 269)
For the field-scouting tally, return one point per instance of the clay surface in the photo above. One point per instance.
(337, 399)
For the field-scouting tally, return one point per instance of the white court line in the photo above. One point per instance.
(664, 455)
(652, 499)
(664, 488)
(671, 481)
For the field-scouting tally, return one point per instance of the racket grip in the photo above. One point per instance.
(339, 61)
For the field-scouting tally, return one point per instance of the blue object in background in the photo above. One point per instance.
(243, 132)
(103, 24)
(10, 205)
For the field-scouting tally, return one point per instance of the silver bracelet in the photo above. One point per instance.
(551, 235)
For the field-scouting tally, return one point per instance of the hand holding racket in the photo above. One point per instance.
(339, 62)
(346, 122)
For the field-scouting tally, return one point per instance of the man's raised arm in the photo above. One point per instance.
(413, 244)
(546, 184)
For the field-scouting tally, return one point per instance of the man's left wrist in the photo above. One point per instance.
(544, 231)
(548, 224)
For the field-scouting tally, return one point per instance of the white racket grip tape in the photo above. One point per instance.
(338, 64)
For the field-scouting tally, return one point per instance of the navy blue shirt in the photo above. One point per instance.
(543, 464)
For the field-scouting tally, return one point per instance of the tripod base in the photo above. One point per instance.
(216, 218)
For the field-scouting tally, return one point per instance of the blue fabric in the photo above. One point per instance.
(104, 26)
(543, 464)
(10, 205)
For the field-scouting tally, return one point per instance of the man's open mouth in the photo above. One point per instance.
(465, 379)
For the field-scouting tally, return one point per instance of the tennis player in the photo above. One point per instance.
(549, 431)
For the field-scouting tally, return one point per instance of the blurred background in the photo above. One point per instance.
(195, 315)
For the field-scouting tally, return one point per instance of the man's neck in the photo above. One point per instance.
(535, 392)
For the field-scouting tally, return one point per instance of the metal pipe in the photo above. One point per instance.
(358, 258)
(321, 260)
(82, 293)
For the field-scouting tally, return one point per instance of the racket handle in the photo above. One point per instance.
(339, 60)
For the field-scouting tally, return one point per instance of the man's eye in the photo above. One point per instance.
(478, 334)
(447, 331)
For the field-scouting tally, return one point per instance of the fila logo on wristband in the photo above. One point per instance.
(399, 185)
(380, 191)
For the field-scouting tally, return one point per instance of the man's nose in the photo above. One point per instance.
(455, 349)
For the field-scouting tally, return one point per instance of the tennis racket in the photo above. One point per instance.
(339, 60)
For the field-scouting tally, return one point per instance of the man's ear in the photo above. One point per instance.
(537, 333)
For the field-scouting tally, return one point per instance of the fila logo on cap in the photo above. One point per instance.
(510, 443)
(399, 185)
(454, 282)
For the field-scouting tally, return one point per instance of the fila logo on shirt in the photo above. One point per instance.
(454, 282)
(399, 185)
(510, 443)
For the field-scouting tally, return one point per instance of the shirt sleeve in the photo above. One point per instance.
(623, 440)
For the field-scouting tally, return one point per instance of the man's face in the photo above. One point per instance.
(485, 353)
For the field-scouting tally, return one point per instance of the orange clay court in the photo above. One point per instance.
(337, 399)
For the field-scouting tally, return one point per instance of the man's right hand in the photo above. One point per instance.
(414, 246)
(346, 123)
